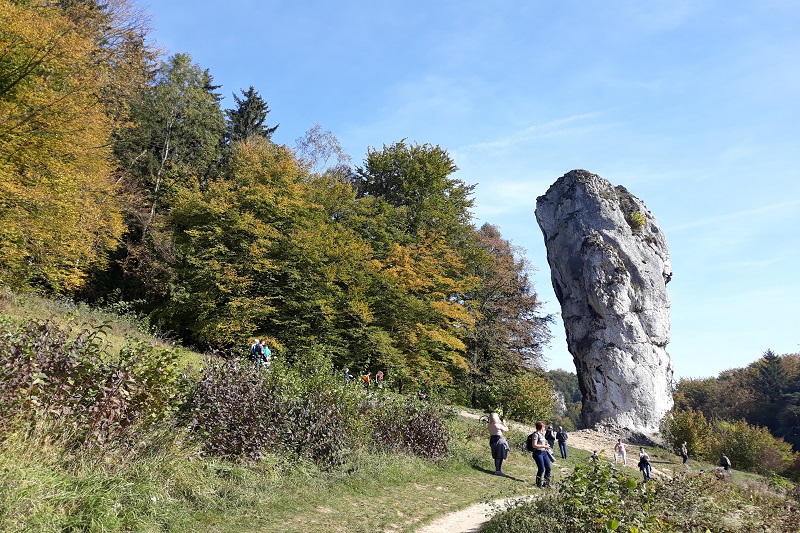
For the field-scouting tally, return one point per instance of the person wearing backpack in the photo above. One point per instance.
(497, 442)
(541, 455)
(725, 463)
(256, 352)
(644, 464)
(550, 437)
(561, 437)
(266, 356)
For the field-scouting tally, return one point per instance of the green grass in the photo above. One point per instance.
(161, 482)
(22, 307)
(166, 486)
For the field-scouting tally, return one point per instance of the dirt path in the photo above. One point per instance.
(471, 519)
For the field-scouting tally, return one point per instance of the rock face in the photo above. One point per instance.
(610, 265)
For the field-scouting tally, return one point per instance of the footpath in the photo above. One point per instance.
(471, 519)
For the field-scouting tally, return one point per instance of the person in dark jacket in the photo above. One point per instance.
(561, 437)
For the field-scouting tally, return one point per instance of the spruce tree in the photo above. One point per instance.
(248, 117)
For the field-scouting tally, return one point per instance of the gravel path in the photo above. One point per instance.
(471, 519)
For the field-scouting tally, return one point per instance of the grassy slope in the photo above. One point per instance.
(166, 485)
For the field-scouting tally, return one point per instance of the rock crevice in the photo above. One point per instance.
(609, 266)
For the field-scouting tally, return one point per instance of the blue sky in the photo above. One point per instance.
(694, 106)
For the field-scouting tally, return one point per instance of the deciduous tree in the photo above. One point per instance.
(58, 207)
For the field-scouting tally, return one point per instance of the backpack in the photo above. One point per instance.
(529, 443)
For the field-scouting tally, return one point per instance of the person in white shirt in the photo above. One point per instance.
(497, 442)
(619, 452)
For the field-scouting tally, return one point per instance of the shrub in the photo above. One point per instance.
(411, 426)
(636, 220)
(597, 497)
(527, 397)
(693, 428)
(752, 448)
(46, 372)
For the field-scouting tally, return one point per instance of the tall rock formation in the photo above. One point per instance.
(610, 265)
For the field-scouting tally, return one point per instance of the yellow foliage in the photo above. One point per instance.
(58, 207)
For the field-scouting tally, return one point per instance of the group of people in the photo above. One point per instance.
(260, 354)
(367, 379)
(541, 443)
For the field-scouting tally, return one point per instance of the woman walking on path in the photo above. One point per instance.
(541, 456)
(497, 442)
(684, 452)
(619, 451)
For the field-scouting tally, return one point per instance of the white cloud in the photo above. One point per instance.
(773, 210)
(572, 125)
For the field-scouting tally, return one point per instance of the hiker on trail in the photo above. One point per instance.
(561, 437)
(256, 352)
(644, 464)
(550, 437)
(367, 380)
(348, 377)
(379, 379)
(541, 456)
(725, 463)
(265, 360)
(684, 452)
(497, 442)
(619, 451)
(594, 456)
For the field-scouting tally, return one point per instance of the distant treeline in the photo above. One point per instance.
(124, 182)
(765, 393)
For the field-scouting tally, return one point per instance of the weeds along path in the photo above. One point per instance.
(471, 519)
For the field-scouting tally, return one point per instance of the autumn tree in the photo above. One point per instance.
(59, 213)
(510, 331)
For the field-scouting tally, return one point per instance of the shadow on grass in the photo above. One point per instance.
(491, 472)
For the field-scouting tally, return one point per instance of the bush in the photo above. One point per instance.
(752, 448)
(527, 397)
(693, 428)
(47, 372)
(411, 426)
(636, 220)
(597, 497)
(240, 410)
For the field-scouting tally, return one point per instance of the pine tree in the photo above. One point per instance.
(248, 117)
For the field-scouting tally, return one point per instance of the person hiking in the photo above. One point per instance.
(379, 379)
(684, 452)
(348, 377)
(265, 359)
(256, 352)
(725, 463)
(619, 451)
(497, 442)
(367, 380)
(644, 464)
(561, 437)
(550, 437)
(541, 456)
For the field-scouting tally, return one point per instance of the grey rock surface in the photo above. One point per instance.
(609, 265)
